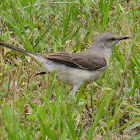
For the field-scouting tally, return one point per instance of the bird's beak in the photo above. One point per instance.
(123, 37)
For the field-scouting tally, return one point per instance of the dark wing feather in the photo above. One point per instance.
(90, 63)
(78, 60)
(60, 56)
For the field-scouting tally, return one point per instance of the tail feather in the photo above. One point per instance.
(38, 58)
(15, 48)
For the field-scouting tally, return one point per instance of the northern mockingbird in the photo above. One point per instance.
(75, 68)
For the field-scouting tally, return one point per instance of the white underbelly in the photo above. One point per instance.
(69, 74)
(73, 75)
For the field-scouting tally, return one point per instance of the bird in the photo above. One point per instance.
(76, 68)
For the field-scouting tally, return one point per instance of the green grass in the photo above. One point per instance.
(38, 107)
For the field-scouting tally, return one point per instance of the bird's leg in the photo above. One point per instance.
(74, 89)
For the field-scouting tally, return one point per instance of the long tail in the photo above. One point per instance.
(38, 58)
(15, 48)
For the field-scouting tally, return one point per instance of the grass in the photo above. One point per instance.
(38, 107)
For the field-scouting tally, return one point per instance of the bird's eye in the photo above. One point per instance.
(112, 39)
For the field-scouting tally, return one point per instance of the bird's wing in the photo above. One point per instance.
(78, 60)
(90, 63)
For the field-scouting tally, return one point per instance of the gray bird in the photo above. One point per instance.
(75, 68)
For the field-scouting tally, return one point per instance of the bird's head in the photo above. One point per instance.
(108, 40)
